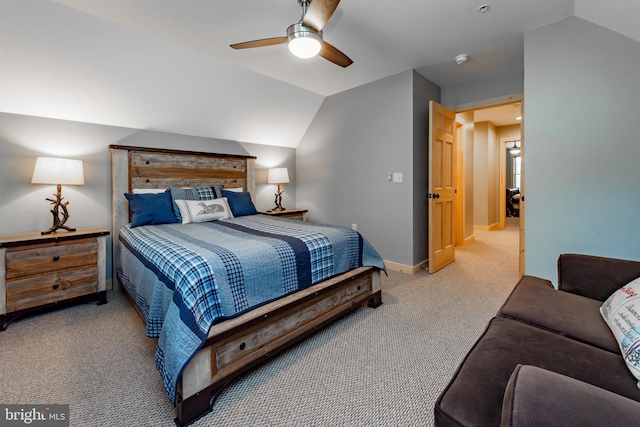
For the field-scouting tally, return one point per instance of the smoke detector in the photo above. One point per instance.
(461, 59)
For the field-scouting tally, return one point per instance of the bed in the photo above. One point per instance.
(205, 339)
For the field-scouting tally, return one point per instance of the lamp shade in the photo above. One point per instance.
(51, 170)
(278, 176)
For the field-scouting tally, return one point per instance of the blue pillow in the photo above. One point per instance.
(150, 209)
(240, 203)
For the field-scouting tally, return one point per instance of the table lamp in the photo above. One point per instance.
(50, 170)
(278, 176)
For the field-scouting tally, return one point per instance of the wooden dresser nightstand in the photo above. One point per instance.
(38, 271)
(292, 213)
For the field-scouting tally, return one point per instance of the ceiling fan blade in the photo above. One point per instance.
(319, 13)
(332, 54)
(260, 43)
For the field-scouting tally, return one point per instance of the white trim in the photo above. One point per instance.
(492, 102)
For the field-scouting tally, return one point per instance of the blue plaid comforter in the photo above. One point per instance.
(185, 278)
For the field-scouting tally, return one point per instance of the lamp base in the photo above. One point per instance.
(278, 200)
(59, 208)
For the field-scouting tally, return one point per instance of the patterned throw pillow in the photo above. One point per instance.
(200, 193)
(204, 210)
(621, 311)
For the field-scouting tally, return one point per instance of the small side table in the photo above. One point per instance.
(293, 213)
(38, 271)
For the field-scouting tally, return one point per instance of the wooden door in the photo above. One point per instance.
(441, 186)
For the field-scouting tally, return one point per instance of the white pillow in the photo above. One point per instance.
(203, 210)
(621, 311)
(234, 189)
(148, 190)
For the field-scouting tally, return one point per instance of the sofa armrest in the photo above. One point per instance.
(536, 397)
(594, 277)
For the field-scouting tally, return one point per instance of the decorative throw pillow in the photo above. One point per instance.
(240, 203)
(200, 193)
(210, 193)
(621, 311)
(150, 209)
(203, 210)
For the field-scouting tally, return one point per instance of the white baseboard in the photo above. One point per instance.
(406, 268)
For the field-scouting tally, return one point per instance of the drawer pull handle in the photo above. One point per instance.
(243, 346)
(55, 286)
(56, 258)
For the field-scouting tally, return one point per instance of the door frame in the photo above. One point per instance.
(494, 102)
(459, 203)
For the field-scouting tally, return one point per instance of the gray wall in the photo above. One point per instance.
(357, 137)
(23, 207)
(581, 156)
(500, 84)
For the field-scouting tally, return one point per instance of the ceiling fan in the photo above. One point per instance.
(304, 38)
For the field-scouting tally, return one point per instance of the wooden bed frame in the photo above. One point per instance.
(235, 345)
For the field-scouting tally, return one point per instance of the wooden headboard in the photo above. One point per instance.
(151, 168)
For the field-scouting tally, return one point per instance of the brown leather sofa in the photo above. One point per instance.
(560, 337)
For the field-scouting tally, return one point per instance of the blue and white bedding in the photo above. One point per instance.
(185, 278)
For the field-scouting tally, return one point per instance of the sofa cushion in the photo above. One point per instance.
(474, 395)
(537, 397)
(536, 302)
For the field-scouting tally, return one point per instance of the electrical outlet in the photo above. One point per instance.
(354, 227)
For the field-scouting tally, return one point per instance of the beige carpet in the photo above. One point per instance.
(382, 367)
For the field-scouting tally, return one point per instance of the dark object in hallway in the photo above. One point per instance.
(513, 202)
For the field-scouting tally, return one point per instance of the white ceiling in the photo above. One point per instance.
(382, 38)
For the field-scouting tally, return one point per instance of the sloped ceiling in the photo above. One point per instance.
(166, 65)
(382, 38)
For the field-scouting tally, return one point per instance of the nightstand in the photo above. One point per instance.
(292, 213)
(40, 271)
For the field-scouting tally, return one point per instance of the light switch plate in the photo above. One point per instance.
(397, 177)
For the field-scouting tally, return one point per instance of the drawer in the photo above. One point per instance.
(255, 343)
(38, 290)
(33, 260)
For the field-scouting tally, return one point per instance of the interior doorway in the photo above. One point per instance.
(483, 135)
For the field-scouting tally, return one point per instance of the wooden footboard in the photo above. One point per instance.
(238, 344)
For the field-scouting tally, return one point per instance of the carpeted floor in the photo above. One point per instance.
(382, 367)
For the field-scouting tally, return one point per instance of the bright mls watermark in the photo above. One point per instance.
(34, 415)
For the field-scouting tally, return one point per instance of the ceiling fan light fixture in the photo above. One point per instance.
(304, 42)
